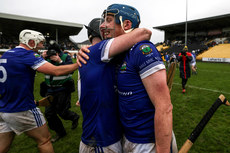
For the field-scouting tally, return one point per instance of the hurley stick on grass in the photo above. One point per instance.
(196, 132)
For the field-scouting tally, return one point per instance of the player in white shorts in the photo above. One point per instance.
(20, 122)
(18, 112)
(146, 147)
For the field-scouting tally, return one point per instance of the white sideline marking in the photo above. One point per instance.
(212, 71)
(212, 90)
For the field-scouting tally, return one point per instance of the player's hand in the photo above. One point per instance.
(36, 103)
(81, 55)
(44, 55)
(55, 58)
(78, 103)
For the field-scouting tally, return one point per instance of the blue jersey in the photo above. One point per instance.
(136, 109)
(98, 101)
(17, 72)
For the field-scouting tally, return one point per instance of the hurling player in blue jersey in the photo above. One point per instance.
(144, 99)
(101, 125)
(18, 112)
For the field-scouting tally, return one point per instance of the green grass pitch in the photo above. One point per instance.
(188, 109)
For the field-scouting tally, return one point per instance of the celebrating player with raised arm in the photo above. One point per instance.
(144, 99)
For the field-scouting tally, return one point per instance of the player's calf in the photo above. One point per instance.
(46, 146)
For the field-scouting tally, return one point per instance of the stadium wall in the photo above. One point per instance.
(218, 60)
(70, 51)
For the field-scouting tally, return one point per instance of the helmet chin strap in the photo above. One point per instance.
(122, 26)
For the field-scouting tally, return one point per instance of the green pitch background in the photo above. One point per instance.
(188, 109)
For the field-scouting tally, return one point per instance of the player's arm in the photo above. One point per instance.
(51, 69)
(157, 89)
(119, 44)
(126, 41)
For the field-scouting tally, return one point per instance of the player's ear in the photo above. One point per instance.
(31, 43)
(127, 25)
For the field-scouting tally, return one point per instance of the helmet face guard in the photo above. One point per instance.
(106, 28)
(26, 35)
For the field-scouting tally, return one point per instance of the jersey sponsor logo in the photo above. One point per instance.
(146, 49)
(36, 55)
(129, 93)
(123, 67)
(142, 65)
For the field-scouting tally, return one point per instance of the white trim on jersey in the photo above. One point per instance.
(105, 56)
(39, 64)
(79, 85)
(152, 70)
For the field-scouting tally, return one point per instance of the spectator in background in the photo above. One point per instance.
(172, 59)
(193, 62)
(167, 59)
(60, 88)
(184, 58)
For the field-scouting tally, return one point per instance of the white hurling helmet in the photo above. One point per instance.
(26, 35)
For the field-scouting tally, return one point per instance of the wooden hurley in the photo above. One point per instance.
(171, 74)
(45, 101)
(196, 132)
